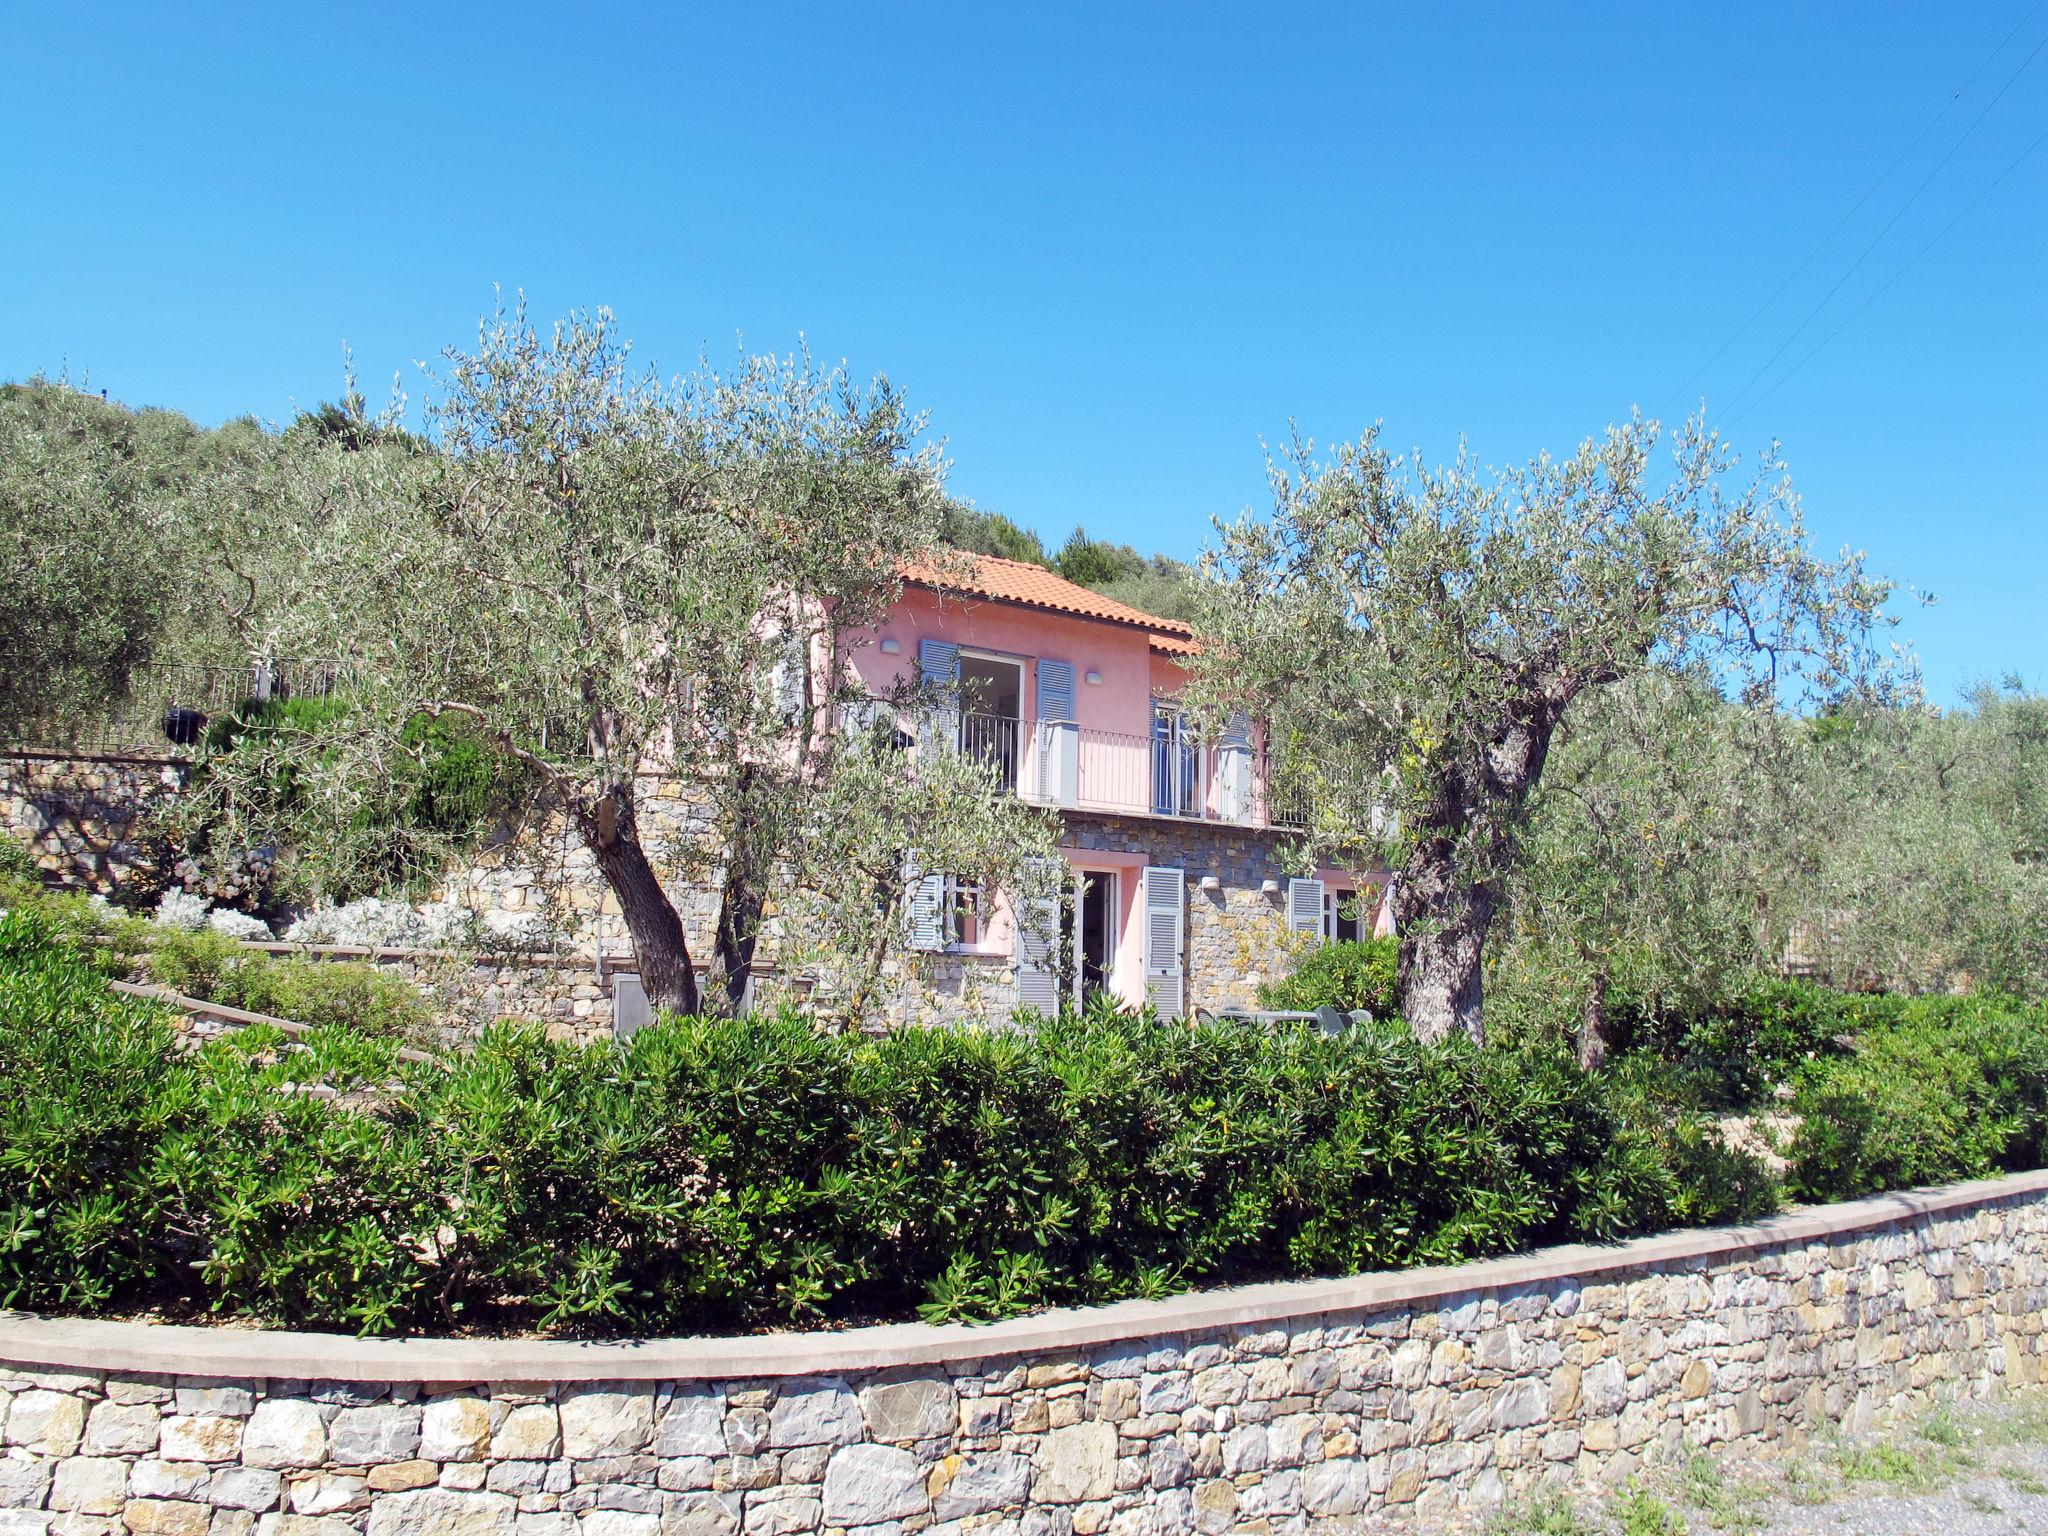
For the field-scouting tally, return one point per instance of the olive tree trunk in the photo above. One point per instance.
(1594, 1041)
(1442, 919)
(1449, 887)
(612, 833)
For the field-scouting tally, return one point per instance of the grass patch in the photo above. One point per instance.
(1640, 1512)
(1889, 1464)
(1549, 1514)
(1726, 1505)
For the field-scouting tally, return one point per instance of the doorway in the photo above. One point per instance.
(991, 699)
(1095, 930)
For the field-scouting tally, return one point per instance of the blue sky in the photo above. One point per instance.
(1108, 252)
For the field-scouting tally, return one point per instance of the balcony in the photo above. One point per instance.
(1056, 763)
(1161, 774)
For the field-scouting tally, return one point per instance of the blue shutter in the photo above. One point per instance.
(938, 669)
(938, 663)
(1055, 690)
(1059, 747)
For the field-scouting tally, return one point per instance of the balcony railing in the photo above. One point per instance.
(992, 740)
(1049, 762)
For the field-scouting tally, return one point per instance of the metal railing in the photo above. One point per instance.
(166, 708)
(1164, 774)
(992, 740)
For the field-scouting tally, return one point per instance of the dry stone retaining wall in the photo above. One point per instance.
(81, 816)
(1277, 1408)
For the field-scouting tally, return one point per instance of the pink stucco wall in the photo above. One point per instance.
(1116, 712)
(1121, 702)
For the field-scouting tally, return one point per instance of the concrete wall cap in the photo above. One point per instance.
(79, 1344)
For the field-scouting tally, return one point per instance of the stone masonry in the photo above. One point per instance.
(82, 813)
(81, 816)
(1273, 1409)
(1236, 934)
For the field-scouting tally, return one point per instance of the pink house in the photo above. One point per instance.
(1177, 893)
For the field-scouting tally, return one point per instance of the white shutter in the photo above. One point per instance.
(925, 906)
(1165, 928)
(786, 685)
(938, 671)
(1305, 907)
(1234, 783)
(1038, 941)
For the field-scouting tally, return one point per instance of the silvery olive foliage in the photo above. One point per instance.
(98, 563)
(1930, 865)
(1667, 858)
(609, 578)
(1415, 637)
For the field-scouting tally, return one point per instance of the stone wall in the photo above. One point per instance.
(567, 993)
(82, 815)
(1277, 1408)
(1236, 935)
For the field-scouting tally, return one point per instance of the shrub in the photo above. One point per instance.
(742, 1173)
(89, 1089)
(238, 925)
(1949, 1092)
(180, 909)
(718, 1174)
(1346, 976)
(88, 927)
(346, 993)
(18, 864)
(442, 794)
(193, 961)
(350, 994)
(374, 923)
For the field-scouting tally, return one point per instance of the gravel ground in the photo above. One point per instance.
(1971, 1470)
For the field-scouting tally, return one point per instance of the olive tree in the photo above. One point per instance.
(1415, 636)
(1666, 854)
(1931, 864)
(616, 581)
(98, 536)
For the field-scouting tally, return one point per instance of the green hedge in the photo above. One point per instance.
(717, 1175)
(1345, 976)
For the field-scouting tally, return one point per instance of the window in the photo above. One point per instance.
(941, 911)
(991, 698)
(1340, 917)
(963, 920)
(1176, 781)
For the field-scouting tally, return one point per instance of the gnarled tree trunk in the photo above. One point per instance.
(1442, 919)
(739, 929)
(612, 833)
(1449, 888)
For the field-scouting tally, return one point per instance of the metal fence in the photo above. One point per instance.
(167, 706)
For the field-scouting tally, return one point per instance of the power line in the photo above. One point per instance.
(1855, 208)
(1813, 314)
(1879, 292)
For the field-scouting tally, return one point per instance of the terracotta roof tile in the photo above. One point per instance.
(1018, 581)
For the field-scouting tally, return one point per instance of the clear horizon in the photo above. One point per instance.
(1108, 256)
